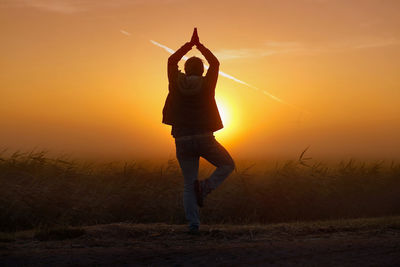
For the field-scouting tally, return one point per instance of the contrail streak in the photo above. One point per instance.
(171, 51)
(125, 32)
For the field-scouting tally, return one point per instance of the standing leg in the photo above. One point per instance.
(217, 155)
(189, 163)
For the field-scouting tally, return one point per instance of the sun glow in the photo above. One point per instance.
(229, 118)
(224, 113)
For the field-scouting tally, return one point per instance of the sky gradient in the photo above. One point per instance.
(82, 77)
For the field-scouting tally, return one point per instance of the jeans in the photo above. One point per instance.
(188, 153)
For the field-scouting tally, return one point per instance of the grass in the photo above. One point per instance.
(39, 192)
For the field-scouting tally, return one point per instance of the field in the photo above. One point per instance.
(39, 192)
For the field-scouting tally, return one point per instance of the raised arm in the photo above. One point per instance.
(213, 71)
(174, 59)
(212, 60)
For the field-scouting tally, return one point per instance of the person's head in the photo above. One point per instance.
(194, 66)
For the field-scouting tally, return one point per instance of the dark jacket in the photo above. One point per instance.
(198, 110)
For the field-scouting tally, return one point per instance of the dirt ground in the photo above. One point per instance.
(362, 242)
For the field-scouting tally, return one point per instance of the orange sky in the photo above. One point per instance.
(72, 82)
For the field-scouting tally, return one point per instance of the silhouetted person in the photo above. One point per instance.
(191, 109)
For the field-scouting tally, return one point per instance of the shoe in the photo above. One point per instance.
(199, 193)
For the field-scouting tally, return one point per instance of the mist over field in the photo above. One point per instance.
(42, 191)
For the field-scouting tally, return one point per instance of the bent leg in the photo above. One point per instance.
(189, 163)
(217, 155)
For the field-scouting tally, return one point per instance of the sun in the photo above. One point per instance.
(223, 112)
(228, 117)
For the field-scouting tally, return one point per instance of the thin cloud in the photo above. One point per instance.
(271, 48)
(277, 48)
(74, 6)
(243, 53)
(283, 44)
(377, 43)
(125, 33)
(58, 6)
